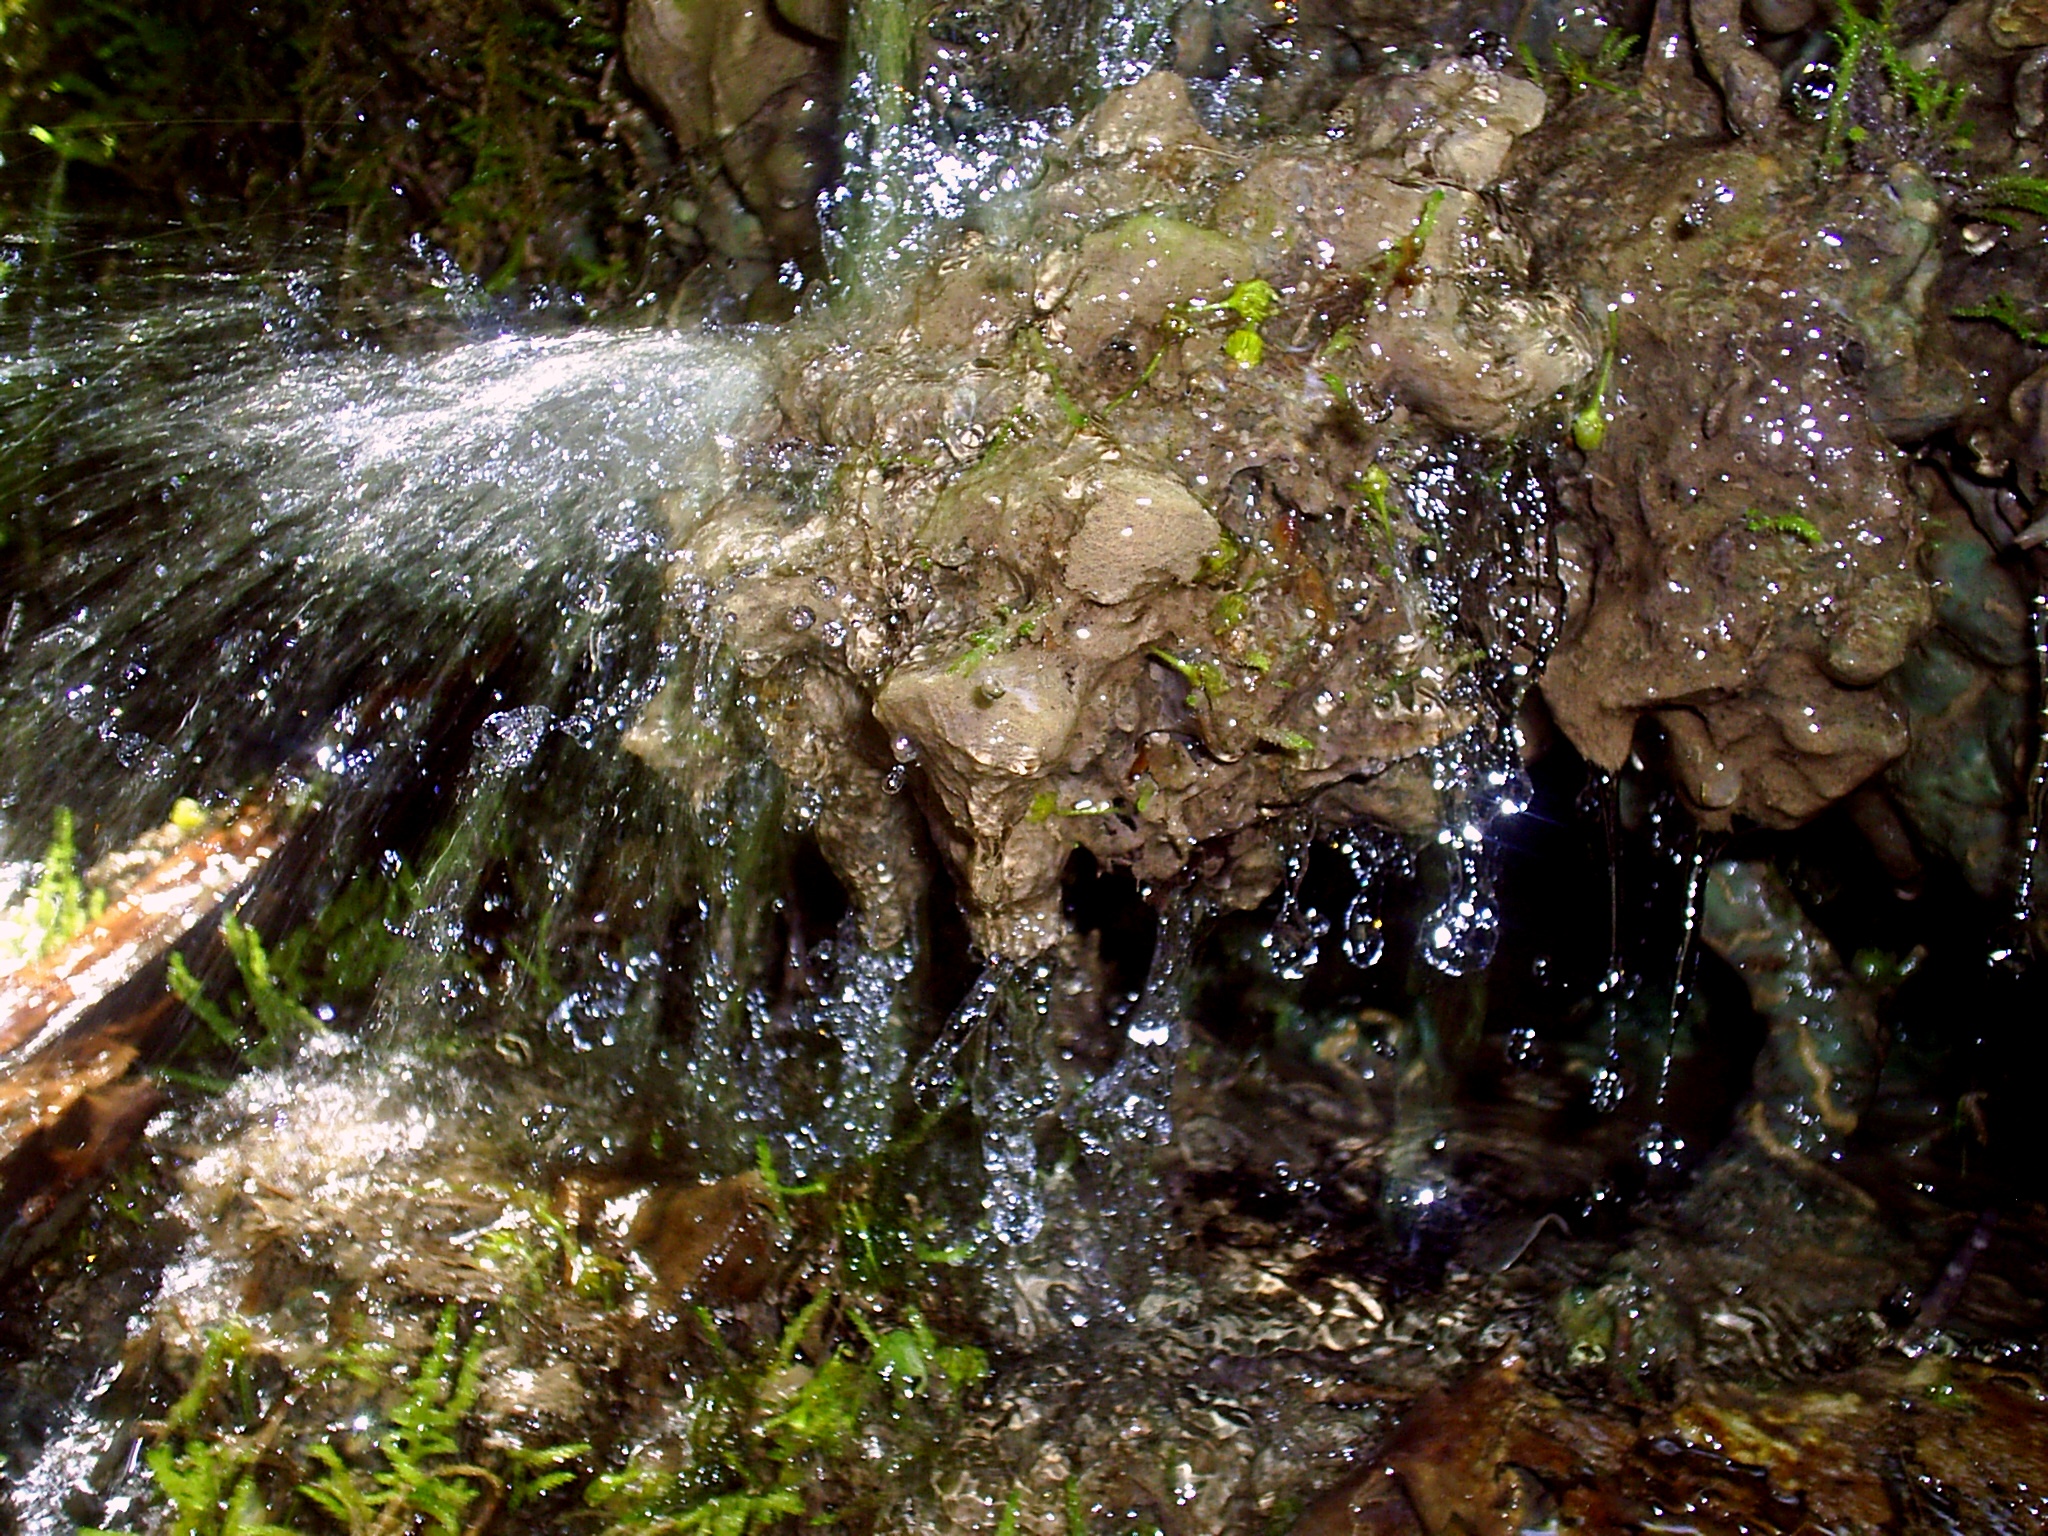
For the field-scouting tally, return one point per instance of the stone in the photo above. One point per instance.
(2019, 23)
(710, 1243)
(1140, 530)
(1131, 275)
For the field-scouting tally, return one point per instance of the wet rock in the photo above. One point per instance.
(1783, 16)
(820, 18)
(711, 65)
(1453, 123)
(1128, 277)
(709, 1243)
(1819, 1066)
(1751, 531)
(2018, 23)
(1142, 149)
(1101, 567)
(1496, 1454)
(1141, 531)
(1748, 81)
(735, 81)
(1964, 692)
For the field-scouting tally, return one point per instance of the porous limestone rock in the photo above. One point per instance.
(1750, 531)
(1083, 568)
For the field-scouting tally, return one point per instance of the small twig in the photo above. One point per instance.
(1548, 1220)
(1948, 1290)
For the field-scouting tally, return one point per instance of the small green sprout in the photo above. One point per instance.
(1589, 426)
(1044, 806)
(60, 905)
(1254, 302)
(993, 637)
(1933, 101)
(1790, 523)
(1392, 266)
(538, 1471)
(1077, 1507)
(267, 1015)
(1220, 561)
(1245, 347)
(1581, 72)
(779, 1192)
(2004, 196)
(1287, 740)
(1205, 676)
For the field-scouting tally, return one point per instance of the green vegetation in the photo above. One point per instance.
(60, 905)
(1933, 104)
(1005, 631)
(1788, 523)
(418, 1475)
(1589, 424)
(1201, 674)
(480, 124)
(223, 1464)
(1253, 303)
(2004, 197)
(1392, 267)
(2002, 309)
(337, 958)
(261, 1017)
(811, 1419)
(1602, 71)
(853, 1394)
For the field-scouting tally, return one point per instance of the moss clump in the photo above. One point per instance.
(490, 127)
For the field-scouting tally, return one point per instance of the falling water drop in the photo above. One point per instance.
(2026, 897)
(1461, 935)
(1659, 1147)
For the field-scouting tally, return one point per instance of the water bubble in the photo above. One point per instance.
(801, 619)
(894, 780)
(1463, 933)
(1365, 935)
(903, 749)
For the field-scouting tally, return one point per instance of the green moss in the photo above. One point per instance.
(418, 1476)
(476, 123)
(61, 907)
(794, 1429)
(2001, 309)
(1576, 72)
(259, 1018)
(1931, 101)
(1204, 675)
(1788, 523)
